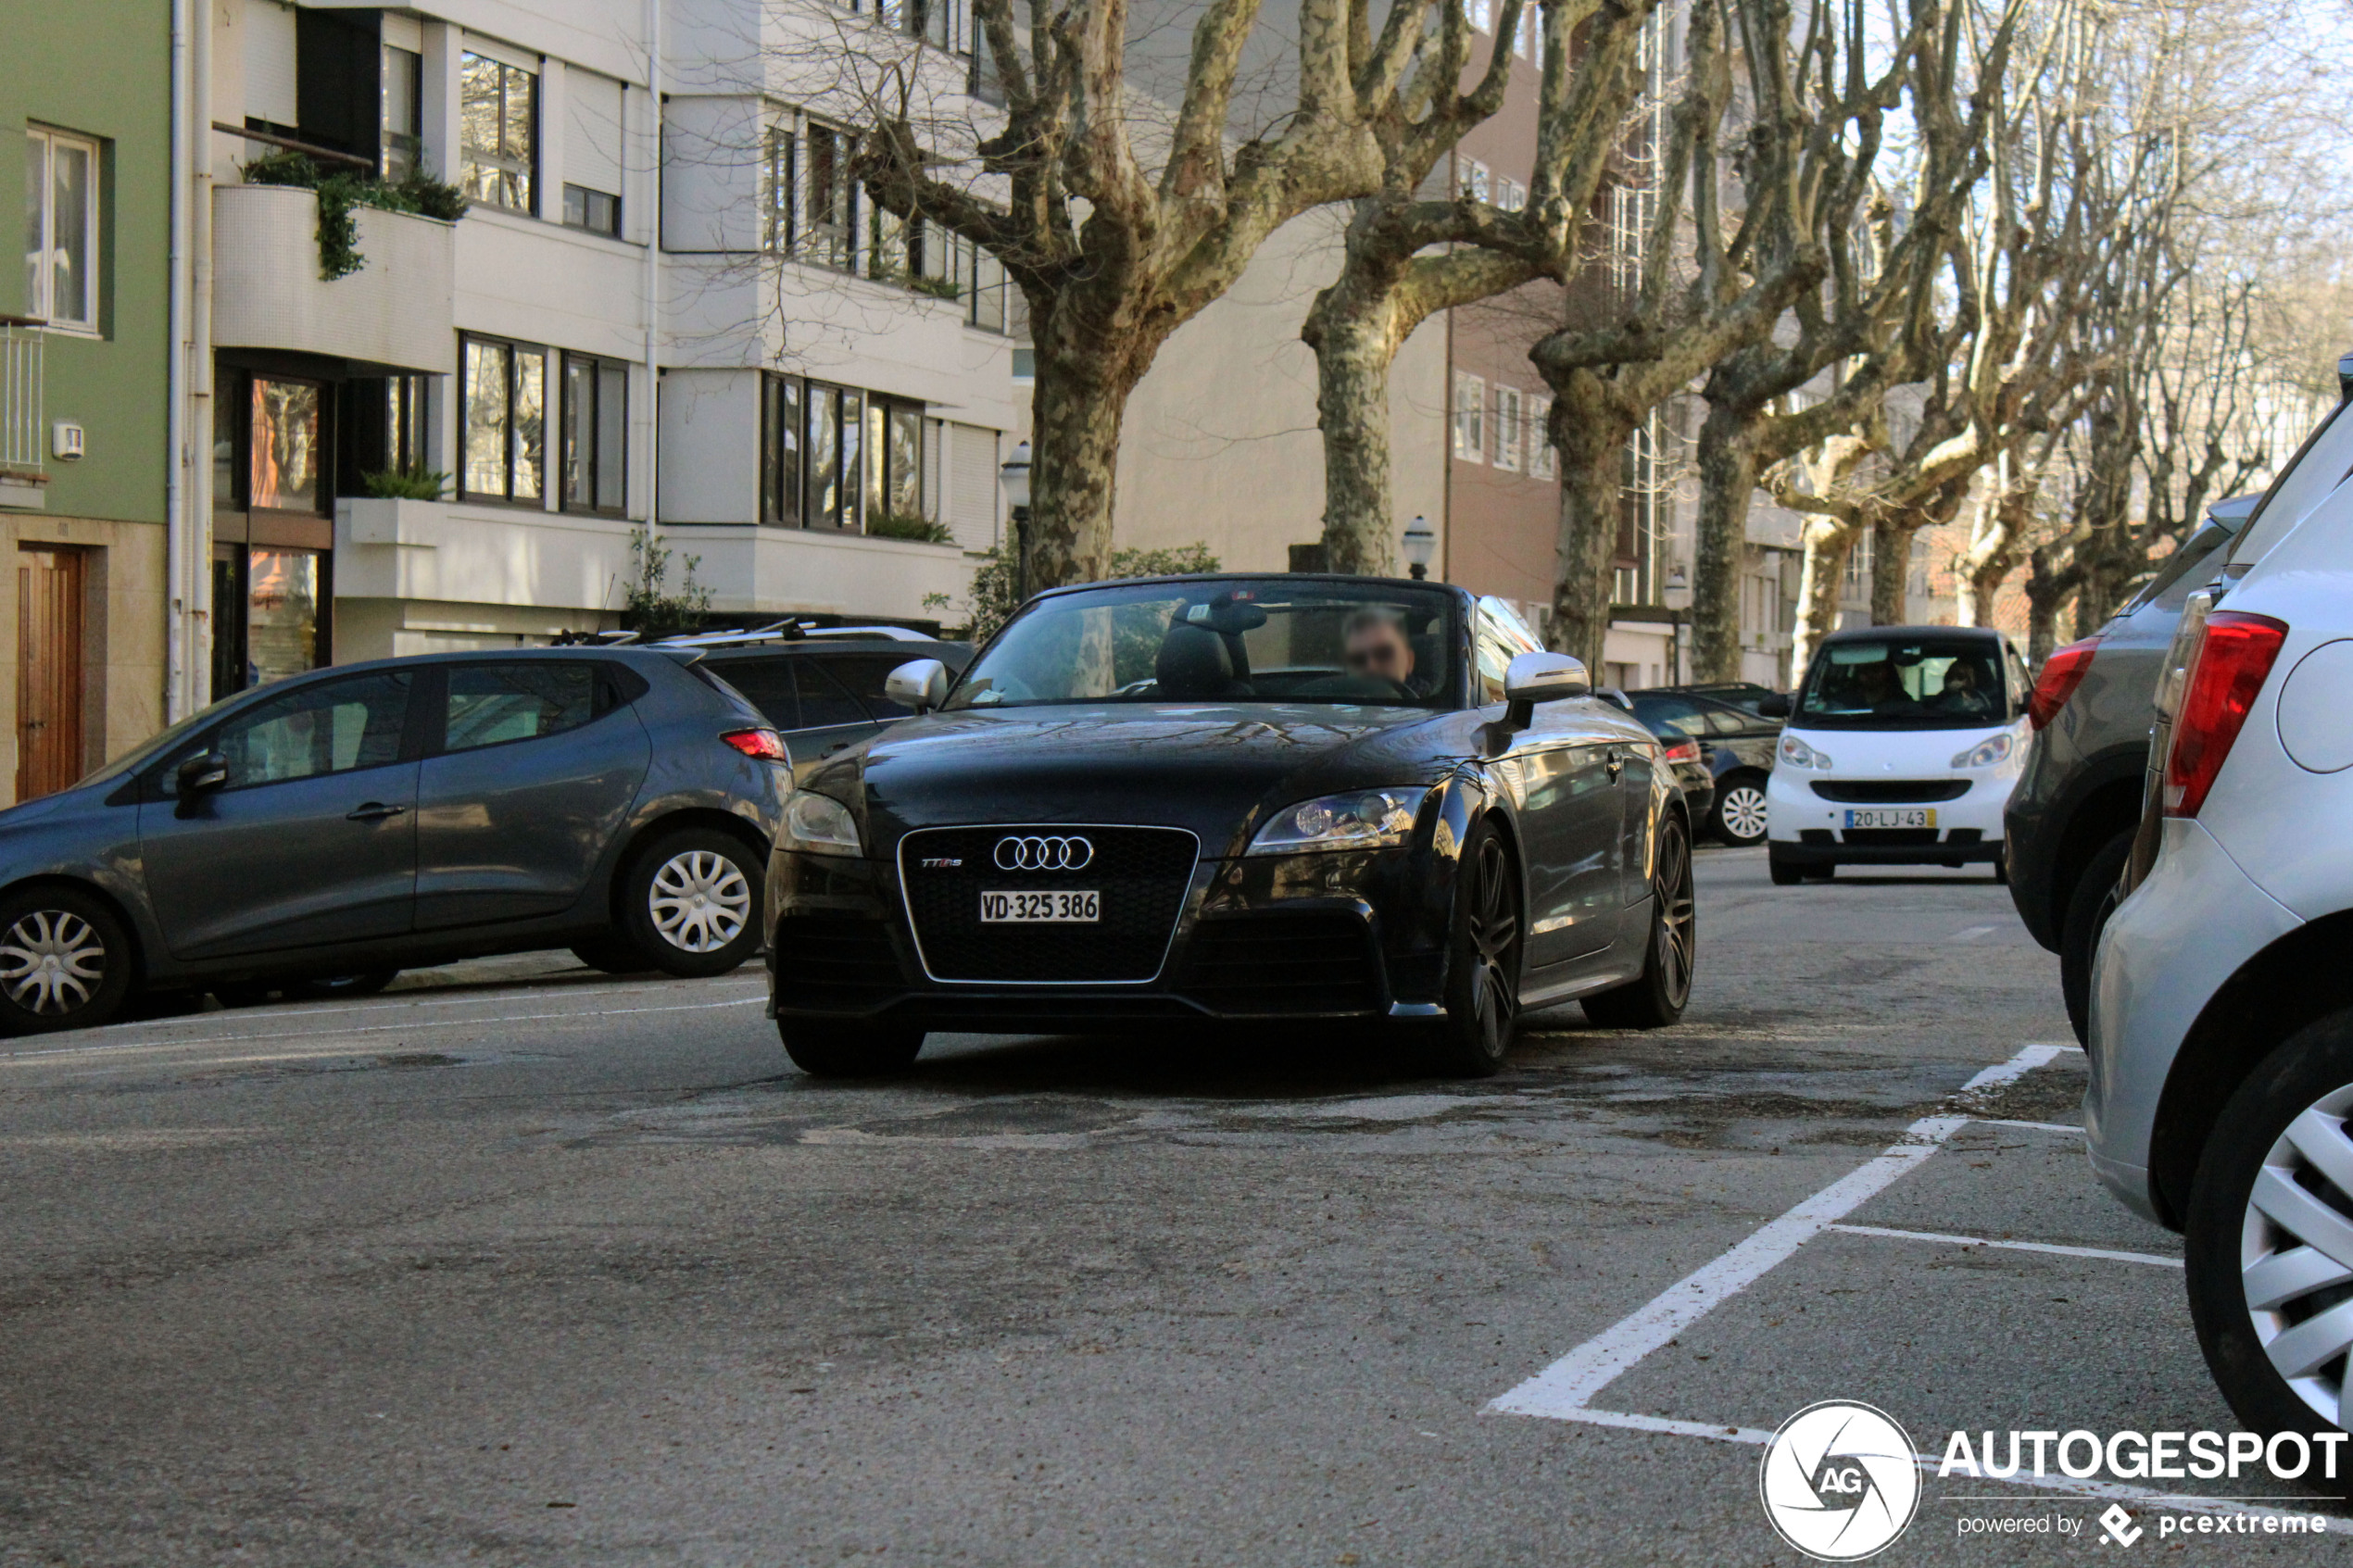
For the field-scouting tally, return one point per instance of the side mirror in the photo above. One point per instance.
(1774, 705)
(201, 773)
(920, 684)
(1531, 678)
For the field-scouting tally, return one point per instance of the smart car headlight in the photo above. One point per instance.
(820, 824)
(1985, 753)
(1797, 754)
(1364, 819)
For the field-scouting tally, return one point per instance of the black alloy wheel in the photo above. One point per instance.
(65, 961)
(831, 1049)
(1659, 994)
(1482, 960)
(2087, 911)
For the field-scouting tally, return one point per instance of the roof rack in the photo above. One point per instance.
(790, 631)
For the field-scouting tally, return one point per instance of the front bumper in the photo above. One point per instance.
(1336, 934)
(1804, 829)
(2192, 924)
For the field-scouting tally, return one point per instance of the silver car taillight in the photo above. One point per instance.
(2176, 672)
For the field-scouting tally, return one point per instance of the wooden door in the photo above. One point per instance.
(48, 671)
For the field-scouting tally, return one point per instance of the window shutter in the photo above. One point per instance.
(592, 153)
(972, 489)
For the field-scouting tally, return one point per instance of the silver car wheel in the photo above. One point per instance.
(699, 901)
(52, 962)
(1743, 813)
(2296, 1255)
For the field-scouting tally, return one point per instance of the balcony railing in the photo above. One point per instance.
(21, 343)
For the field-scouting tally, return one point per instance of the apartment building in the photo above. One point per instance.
(84, 341)
(667, 312)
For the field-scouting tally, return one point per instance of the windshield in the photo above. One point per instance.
(1264, 640)
(1909, 684)
(2312, 474)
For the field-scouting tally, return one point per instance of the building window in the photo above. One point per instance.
(831, 206)
(895, 463)
(61, 228)
(283, 432)
(584, 208)
(1859, 566)
(1538, 416)
(498, 125)
(1470, 417)
(934, 22)
(1524, 41)
(595, 434)
(812, 467)
(1475, 179)
(987, 83)
(1507, 432)
(404, 81)
(1510, 195)
(780, 435)
(1483, 14)
(504, 419)
(887, 248)
(776, 192)
(592, 152)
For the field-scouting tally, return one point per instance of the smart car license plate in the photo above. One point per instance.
(1045, 908)
(1893, 817)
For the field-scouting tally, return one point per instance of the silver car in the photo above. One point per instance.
(2221, 1018)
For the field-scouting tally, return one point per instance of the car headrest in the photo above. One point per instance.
(1429, 654)
(1193, 664)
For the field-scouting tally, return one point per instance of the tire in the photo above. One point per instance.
(241, 993)
(1657, 998)
(1739, 815)
(2245, 1246)
(1785, 874)
(1483, 956)
(2087, 911)
(611, 953)
(826, 1050)
(690, 902)
(65, 961)
(326, 987)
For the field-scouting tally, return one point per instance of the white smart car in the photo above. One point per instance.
(1902, 746)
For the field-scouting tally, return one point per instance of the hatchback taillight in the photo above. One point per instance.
(2235, 653)
(2062, 673)
(1683, 751)
(766, 744)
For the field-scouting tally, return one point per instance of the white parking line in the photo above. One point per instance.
(2039, 1127)
(120, 1045)
(1570, 1384)
(2153, 1259)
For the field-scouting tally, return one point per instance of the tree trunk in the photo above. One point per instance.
(1892, 569)
(1828, 543)
(1726, 476)
(1354, 351)
(1590, 439)
(2046, 592)
(1076, 412)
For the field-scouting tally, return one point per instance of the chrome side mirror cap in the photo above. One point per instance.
(920, 684)
(1531, 678)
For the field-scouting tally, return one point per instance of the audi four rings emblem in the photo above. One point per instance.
(1043, 854)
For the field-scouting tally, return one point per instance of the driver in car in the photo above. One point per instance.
(1374, 643)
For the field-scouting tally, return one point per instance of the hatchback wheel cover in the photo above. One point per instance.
(1742, 812)
(52, 962)
(2296, 1255)
(699, 901)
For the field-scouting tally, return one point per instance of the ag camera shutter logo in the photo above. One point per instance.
(1840, 1481)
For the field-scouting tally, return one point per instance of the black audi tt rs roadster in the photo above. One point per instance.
(1230, 798)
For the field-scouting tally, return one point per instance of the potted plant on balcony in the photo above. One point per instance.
(342, 192)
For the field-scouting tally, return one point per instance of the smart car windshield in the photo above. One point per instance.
(1909, 684)
(1259, 640)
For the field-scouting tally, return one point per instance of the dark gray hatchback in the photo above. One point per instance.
(374, 816)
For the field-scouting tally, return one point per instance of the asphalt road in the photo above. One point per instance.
(580, 1272)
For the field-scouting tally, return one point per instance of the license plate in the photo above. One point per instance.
(1047, 909)
(1894, 817)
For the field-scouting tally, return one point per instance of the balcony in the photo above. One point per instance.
(396, 313)
(22, 482)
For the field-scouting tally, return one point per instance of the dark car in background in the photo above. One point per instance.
(368, 818)
(1730, 747)
(1187, 800)
(823, 689)
(2070, 823)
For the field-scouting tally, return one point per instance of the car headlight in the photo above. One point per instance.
(1365, 819)
(820, 824)
(1985, 753)
(1797, 754)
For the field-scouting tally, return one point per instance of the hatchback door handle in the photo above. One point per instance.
(374, 811)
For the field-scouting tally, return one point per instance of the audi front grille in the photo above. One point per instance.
(1140, 873)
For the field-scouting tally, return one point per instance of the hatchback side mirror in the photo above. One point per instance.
(1773, 705)
(920, 684)
(1531, 678)
(202, 773)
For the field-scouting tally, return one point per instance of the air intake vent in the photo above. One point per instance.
(1283, 965)
(831, 963)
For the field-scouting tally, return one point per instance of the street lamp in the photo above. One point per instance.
(1421, 543)
(1014, 471)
